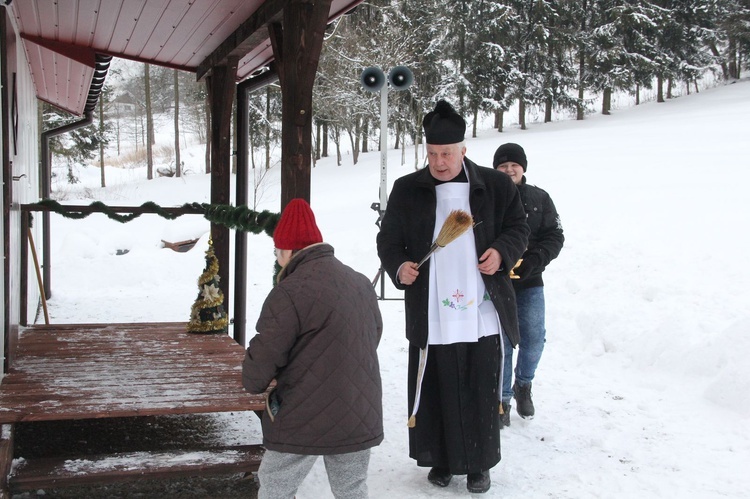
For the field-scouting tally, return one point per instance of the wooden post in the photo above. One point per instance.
(23, 291)
(240, 237)
(297, 52)
(6, 458)
(221, 85)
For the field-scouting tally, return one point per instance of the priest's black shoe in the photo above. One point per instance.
(439, 476)
(478, 483)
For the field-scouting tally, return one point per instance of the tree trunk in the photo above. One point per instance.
(354, 140)
(101, 139)
(607, 100)
(136, 117)
(403, 146)
(461, 54)
(637, 94)
(548, 102)
(522, 113)
(659, 88)
(474, 123)
(669, 88)
(149, 125)
(365, 134)
(318, 131)
(177, 161)
(733, 67)
(580, 111)
(251, 146)
(717, 55)
(207, 108)
(117, 127)
(325, 140)
(143, 129)
(267, 141)
(417, 141)
(336, 136)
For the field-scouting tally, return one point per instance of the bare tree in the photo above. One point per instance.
(101, 142)
(177, 163)
(149, 123)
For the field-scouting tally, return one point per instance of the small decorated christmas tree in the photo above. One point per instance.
(207, 315)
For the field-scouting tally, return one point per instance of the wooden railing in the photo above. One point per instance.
(26, 211)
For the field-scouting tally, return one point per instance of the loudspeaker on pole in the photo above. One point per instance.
(372, 79)
(400, 78)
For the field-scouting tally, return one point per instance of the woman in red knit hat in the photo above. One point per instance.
(318, 334)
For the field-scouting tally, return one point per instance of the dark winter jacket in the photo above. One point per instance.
(408, 226)
(546, 238)
(318, 334)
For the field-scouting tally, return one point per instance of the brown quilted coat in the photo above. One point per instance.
(318, 334)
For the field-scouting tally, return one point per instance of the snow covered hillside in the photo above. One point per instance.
(643, 387)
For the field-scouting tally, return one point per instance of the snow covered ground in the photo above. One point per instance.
(643, 387)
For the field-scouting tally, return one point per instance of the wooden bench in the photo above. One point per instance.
(121, 467)
(71, 372)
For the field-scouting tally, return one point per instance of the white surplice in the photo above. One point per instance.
(459, 309)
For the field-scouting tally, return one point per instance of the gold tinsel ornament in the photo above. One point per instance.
(207, 315)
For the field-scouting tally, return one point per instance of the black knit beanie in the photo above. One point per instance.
(510, 152)
(443, 125)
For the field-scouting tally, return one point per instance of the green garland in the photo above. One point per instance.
(234, 217)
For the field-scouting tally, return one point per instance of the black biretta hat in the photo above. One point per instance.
(443, 125)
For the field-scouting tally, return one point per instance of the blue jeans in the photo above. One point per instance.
(530, 304)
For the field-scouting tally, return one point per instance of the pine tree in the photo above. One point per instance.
(77, 146)
(732, 45)
(207, 315)
(488, 63)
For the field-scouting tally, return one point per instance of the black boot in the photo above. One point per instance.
(504, 414)
(524, 404)
(478, 483)
(439, 476)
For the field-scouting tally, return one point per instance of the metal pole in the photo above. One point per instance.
(383, 147)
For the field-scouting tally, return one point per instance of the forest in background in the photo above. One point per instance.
(551, 59)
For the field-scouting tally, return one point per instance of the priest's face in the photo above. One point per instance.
(445, 160)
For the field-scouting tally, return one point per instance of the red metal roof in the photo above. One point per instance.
(61, 37)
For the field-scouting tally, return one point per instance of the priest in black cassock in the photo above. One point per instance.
(458, 302)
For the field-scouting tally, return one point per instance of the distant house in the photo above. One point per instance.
(124, 104)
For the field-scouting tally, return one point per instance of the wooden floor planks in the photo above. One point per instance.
(91, 371)
(118, 370)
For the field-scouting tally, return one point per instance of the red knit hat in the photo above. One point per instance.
(296, 228)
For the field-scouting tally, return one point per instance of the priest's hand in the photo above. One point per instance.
(490, 261)
(408, 273)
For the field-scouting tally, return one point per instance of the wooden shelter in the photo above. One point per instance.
(59, 52)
